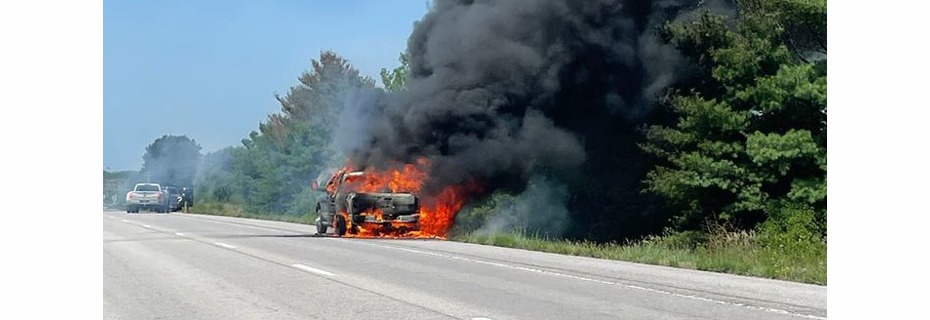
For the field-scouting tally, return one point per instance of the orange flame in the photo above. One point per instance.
(437, 211)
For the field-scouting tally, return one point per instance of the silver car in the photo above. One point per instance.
(146, 196)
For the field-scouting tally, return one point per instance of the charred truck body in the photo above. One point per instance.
(349, 204)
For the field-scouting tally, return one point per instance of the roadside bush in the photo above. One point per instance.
(222, 193)
(680, 240)
(790, 235)
(790, 227)
(473, 217)
(726, 235)
(219, 209)
(304, 203)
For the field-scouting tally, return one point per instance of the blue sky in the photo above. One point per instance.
(209, 69)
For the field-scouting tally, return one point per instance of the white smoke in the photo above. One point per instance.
(540, 209)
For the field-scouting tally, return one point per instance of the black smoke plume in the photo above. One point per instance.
(500, 91)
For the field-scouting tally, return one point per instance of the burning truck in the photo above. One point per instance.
(352, 204)
(387, 203)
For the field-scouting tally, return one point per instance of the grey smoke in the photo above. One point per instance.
(355, 118)
(540, 209)
(501, 91)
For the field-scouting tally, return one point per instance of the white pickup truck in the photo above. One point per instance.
(147, 196)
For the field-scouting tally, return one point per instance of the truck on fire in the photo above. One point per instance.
(349, 205)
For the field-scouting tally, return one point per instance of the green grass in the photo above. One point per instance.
(737, 255)
(232, 210)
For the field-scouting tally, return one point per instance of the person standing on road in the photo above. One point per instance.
(187, 199)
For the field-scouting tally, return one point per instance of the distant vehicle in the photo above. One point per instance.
(173, 196)
(146, 196)
(345, 209)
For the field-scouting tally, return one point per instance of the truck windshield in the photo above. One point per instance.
(147, 187)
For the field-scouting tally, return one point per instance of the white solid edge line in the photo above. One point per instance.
(313, 270)
(227, 246)
(629, 286)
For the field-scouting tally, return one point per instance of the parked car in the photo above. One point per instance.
(146, 196)
(173, 196)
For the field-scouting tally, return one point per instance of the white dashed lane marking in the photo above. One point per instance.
(313, 270)
(227, 246)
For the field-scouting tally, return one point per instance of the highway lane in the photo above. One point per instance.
(203, 267)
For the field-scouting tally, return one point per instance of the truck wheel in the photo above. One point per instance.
(320, 227)
(340, 224)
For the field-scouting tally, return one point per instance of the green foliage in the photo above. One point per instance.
(220, 179)
(778, 151)
(171, 161)
(396, 80)
(790, 227)
(793, 232)
(801, 24)
(272, 170)
(237, 210)
(222, 193)
(752, 132)
(116, 184)
(476, 215)
(689, 239)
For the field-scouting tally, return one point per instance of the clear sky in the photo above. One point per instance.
(209, 69)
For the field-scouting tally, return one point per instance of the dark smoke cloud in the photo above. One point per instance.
(500, 90)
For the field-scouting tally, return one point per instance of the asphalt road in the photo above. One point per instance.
(181, 266)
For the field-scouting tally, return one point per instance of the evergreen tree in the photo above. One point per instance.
(751, 133)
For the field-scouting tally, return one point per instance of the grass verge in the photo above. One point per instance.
(232, 210)
(737, 255)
